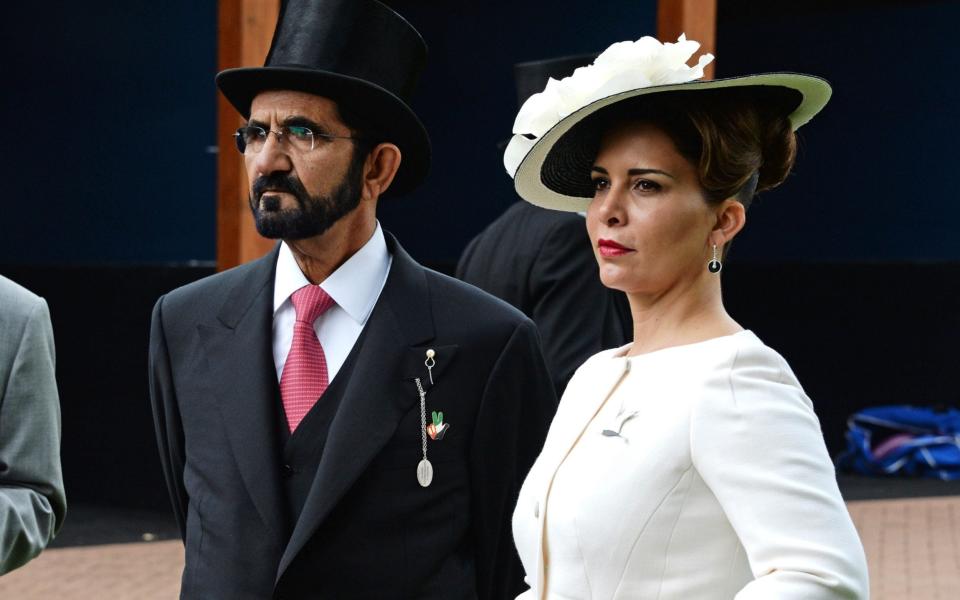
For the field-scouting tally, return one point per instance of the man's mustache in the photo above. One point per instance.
(278, 182)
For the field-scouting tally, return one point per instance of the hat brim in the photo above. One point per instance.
(814, 93)
(382, 111)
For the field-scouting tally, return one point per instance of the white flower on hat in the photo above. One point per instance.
(622, 67)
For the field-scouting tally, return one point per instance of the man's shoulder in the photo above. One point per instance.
(514, 241)
(213, 290)
(470, 303)
(529, 220)
(17, 301)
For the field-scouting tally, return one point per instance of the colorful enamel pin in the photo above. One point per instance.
(438, 428)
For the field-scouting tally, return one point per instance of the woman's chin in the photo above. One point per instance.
(617, 280)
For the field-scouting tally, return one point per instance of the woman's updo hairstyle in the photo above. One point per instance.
(739, 139)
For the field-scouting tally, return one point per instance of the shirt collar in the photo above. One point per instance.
(354, 286)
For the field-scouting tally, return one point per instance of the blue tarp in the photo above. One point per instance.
(903, 440)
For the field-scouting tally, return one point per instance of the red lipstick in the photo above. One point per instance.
(612, 248)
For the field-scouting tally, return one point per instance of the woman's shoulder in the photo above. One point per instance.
(601, 360)
(757, 375)
(754, 359)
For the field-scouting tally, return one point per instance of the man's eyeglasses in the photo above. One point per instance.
(250, 139)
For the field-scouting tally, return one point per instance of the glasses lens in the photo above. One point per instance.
(250, 139)
(241, 141)
(301, 138)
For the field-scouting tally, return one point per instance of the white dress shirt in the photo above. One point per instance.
(715, 484)
(355, 287)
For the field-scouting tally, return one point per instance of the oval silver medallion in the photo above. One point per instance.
(424, 473)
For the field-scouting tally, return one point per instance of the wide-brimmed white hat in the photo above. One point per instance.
(540, 158)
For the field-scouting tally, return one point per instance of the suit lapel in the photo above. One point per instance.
(376, 397)
(244, 382)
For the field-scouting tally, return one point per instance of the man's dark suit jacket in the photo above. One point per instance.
(541, 262)
(367, 529)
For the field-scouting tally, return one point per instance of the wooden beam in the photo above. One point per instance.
(245, 31)
(696, 18)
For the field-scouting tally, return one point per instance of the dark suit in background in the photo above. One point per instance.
(541, 262)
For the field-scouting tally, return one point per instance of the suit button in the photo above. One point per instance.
(536, 510)
(286, 471)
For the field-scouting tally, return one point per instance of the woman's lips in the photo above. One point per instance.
(612, 248)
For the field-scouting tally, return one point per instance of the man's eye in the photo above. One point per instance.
(599, 183)
(300, 132)
(253, 134)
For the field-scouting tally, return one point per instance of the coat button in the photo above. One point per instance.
(286, 471)
(536, 510)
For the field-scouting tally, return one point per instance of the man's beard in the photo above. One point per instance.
(313, 215)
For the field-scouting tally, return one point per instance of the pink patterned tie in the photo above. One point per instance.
(304, 377)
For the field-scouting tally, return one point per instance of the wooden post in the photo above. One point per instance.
(245, 31)
(696, 18)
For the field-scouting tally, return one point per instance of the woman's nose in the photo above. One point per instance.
(610, 208)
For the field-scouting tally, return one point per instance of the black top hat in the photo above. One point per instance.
(356, 52)
(531, 77)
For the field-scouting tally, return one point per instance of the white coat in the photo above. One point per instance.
(711, 482)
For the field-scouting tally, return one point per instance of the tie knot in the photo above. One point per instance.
(310, 302)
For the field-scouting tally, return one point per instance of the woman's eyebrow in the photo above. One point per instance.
(649, 171)
(603, 171)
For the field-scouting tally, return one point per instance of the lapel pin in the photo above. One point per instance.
(620, 420)
(438, 428)
(429, 363)
(424, 468)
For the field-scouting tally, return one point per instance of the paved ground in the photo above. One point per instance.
(913, 549)
(139, 571)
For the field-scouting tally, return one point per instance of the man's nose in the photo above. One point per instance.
(272, 157)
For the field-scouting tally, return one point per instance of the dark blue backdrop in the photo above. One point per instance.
(110, 121)
(875, 175)
(110, 112)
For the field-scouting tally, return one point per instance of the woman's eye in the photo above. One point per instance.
(645, 185)
(599, 183)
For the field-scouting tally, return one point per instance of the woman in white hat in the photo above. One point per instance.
(688, 464)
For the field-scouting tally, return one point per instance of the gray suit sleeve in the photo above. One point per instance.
(32, 501)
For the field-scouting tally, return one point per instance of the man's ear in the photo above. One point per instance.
(731, 217)
(379, 170)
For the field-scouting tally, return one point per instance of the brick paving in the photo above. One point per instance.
(140, 571)
(912, 545)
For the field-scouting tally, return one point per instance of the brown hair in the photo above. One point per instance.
(739, 139)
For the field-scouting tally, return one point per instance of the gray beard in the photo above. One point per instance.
(313, 215)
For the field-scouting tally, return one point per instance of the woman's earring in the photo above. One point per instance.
(714, 265)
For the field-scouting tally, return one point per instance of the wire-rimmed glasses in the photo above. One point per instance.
(251, 138)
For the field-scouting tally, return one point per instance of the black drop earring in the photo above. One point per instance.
(714, 265)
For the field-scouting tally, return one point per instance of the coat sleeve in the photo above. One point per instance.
(569, 304)
(32, 500)
(517, 406)
(166, 418)
(759, 448)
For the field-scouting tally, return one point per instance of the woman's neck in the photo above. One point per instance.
(683, 314)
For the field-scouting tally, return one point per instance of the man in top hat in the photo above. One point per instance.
(330, 426)
(541, 261)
